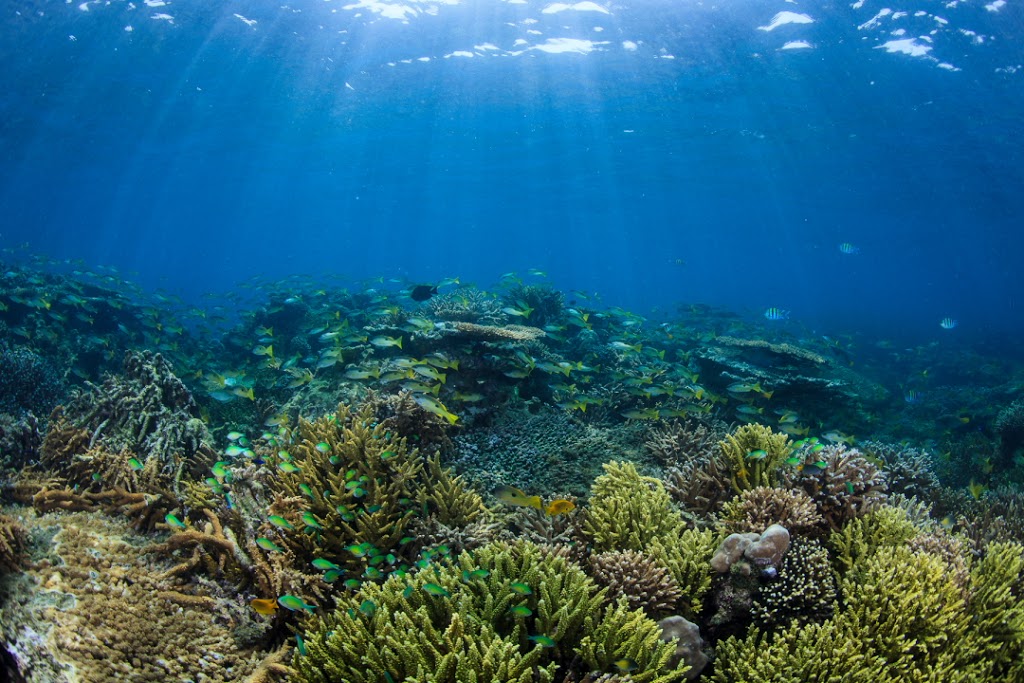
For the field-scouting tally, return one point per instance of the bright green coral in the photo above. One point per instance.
(749, 471)
(453, 622)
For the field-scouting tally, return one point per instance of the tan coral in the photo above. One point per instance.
(645, 584)
(504, 333)
(783, 349)
(125, 621)
(757, 509)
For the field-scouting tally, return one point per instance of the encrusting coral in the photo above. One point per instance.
(506, 612)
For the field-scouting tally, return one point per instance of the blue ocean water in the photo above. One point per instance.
(657, 153)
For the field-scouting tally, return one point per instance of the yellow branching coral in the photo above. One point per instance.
(907, 610)
(687, 556)
(754, 454)
(506, 612)
(886, 527)
(627, 511)
(625, 634)
(346, 480)
(997, 609)
(904, 620)
(448, 498)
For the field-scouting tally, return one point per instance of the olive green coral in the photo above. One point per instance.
(754, 453)
(627, 511)
(348, 480)
(506, 612)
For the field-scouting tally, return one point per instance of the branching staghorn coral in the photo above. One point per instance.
(472, 620)
(758, 508)
(886, 527)
(628, 511)
(13, 539)
(148, 411)
(677, 443)
(902, 619)
(996, 603)
(908, 471)
(754, 454)
(348, 481)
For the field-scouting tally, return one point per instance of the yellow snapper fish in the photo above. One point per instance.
(510, 495)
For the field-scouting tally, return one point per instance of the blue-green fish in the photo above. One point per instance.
(322, 564)
(269, 545)
(174, 522)
(294, 604)
(280, 522)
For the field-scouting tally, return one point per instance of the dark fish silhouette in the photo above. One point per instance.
(422, 292)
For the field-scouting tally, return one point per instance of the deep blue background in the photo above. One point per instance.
(205, 151)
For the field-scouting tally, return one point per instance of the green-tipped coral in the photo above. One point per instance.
(754, 454)
(506, 612)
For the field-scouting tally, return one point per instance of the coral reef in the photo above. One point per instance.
(101, 614)
(147, 411)
(804, 589)
(469, 621)
(29, 383)
(843, 484)
(754, 454)
(20, 440)
(492, 333)
(466, 304)
(756, 509)
(1009, 427)
(908, 471)
(349, 482)
(631, 512)
(13, 538)
(696, 470)
(638, 578)
(686, 635)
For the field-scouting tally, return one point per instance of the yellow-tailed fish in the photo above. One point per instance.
(513, 496)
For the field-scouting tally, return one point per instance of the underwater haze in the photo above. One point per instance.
(656, 152)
